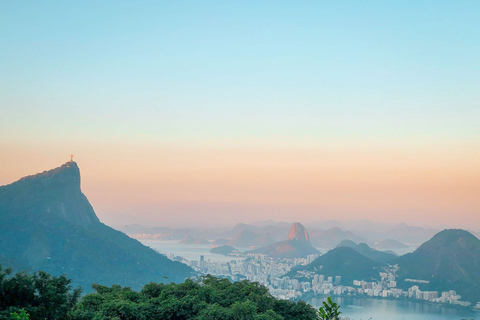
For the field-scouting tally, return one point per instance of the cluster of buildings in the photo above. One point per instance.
(254, 267)
(270, 273)
(386, 287)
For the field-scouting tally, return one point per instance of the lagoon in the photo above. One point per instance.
(357, 308)
(188, 251)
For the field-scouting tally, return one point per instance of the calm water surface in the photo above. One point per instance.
(377, 309)
(354, 308)
(188, 251)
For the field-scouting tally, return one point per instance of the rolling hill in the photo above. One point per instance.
(341, 261)
(365, 250)
(450, 261)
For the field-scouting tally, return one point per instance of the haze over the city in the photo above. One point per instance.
(186, 114)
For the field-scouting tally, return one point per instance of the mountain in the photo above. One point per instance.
(373, 232)
(288, 249)
(475, 233)
(55, 192)
(329, 238)
(247, 238)
(375, 255)
(220, 242)
(274, 231)
(410, 235)
(297, 246)
(347, 243)
(298, 232)
(390, 244)
(132, 228)
(264, 223)
(47, 223)
(165, 233)
(191, 240)
(225, 250)
(365, 250)
(242, 227)
(450, 261)
(341, 261)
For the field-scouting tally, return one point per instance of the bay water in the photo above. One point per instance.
(355, 308)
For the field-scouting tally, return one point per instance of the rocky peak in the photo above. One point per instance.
(54, 192)
(67, 175)
(298, 232)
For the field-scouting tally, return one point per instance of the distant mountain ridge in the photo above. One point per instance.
(374, 232)
(365, 250)
(390, 244)
(375, 255)
(297, 246)
(225, 250)
(191, 240)
(330, 237)
(47, 223)
(347, 243)
(448, 261)
(341, 261)
(248, 238)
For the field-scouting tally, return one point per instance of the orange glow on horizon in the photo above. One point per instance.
(309, 183)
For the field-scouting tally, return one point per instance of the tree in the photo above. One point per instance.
(39, 296)
(329, 311)
(20, 315)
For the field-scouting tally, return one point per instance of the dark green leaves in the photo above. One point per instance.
(41, 296)
(36, 297)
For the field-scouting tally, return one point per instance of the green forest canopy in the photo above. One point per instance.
(42, 296)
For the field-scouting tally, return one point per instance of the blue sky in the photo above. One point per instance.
(249, 73)
(226, 62)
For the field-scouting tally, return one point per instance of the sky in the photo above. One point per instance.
(187, 113)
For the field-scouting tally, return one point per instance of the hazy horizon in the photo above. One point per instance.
(219, 113)
(123, 218)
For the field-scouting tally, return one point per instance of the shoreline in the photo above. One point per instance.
(306, 297)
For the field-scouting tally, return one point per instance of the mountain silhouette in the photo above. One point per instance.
(248, 238)
(341, 261)
(450, 261)
(47, 223)
(365, 250)
(297, 246)
(55, 192)
(347, 243)
(390, 244)
(225, 250)
(330, 237)
(298, 232)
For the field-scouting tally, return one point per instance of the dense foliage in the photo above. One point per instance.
(38, 296)
(41, 296)
(208, 298)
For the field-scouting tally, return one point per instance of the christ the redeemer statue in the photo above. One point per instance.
(71, 158)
